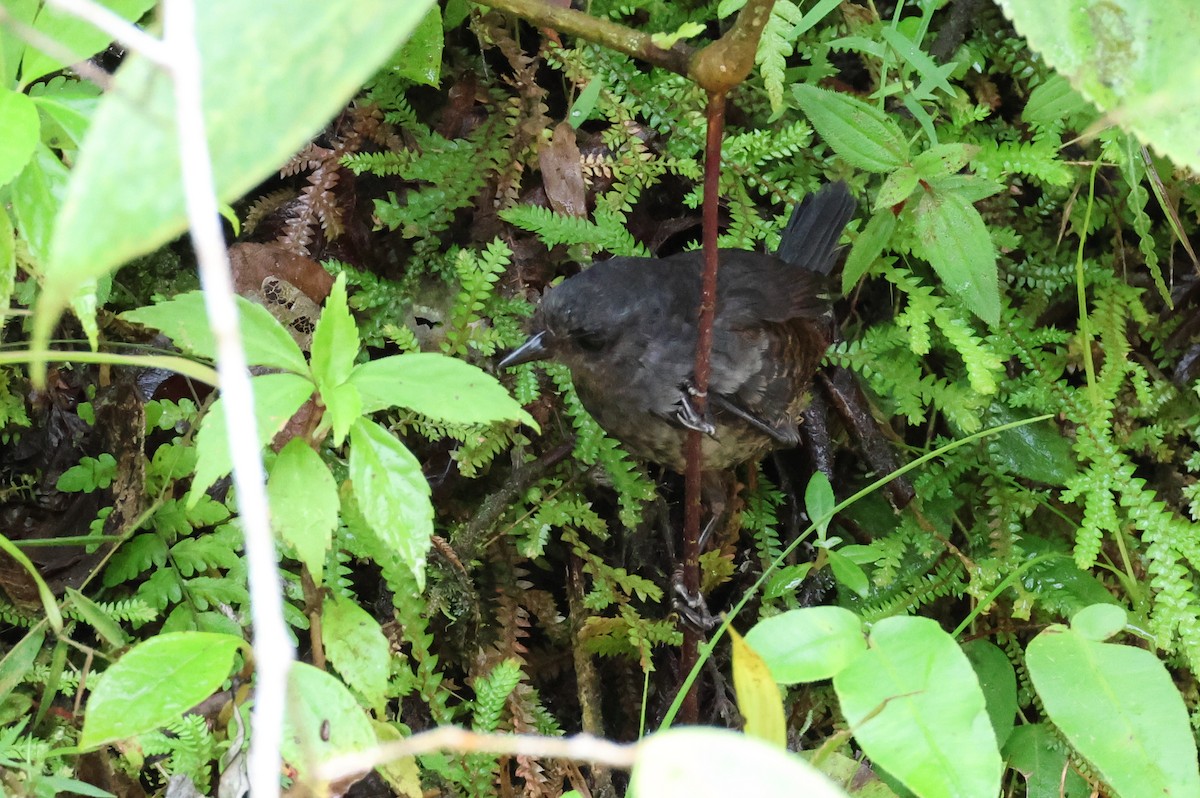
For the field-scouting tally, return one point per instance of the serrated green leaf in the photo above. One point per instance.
(420, 59)
(1119, 708)
(335, 340)
(37, 195)
(274, 73)
(392, 494)
(19, 131)
(357, 648)
(439, 387)
(898, 187)
(951, 235)
(155, 682)
(944, 159)
(859, 133)
(867, 248)
(184, 320)
(304, 504)
(277, 397)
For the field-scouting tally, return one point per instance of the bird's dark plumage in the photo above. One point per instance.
(627, 328)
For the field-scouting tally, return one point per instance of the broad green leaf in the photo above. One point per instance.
(392, 494)
(275, 71)
(998, 681)
(335, 340)
(12, 46)
(277, 397)
(867, 248)
(439, 387)
(860, 133)
(1129, 57)
(1118, 706)
(1052, 101)
(951, 235)
(704, 762)
(68, 107)
(154, 683)
(758, 698)
(403, 775)
(808, 645)
(1037, 753)
(185, 321)
(19, 130)
(74, 35)
(1099, 621)
(304, 504)
(914, 704)
(323, 720)
(420, 59)
(357, 648)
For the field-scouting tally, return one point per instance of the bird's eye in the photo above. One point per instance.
(590, 341)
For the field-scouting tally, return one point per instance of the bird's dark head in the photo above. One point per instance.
(580, 319)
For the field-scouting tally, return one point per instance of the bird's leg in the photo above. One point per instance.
(692, 609)
(687, 414)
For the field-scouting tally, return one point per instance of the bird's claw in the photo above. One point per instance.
(690, 417)
(691, 607)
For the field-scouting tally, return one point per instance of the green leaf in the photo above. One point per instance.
(420, 59)
(18, 659)
(90, 474)
(585, 103)
(860, 133)
(392, 494)
(92, 614)
(37, 195)
(439, 387)
(19, 131)
(848, 573)
(1120, 709)
(819, 502)
(898, 187)
(951, 235)
(1125, 56)
(998, 681)
(1052, 101)
(669, 763)
(758, 698)
(277, 397)
(335, 340)
(70, 106)
(867, 248)
(304, 504)
(357, 648)
(154, 683)
(185, 321)
(323, 720)
(274, 73)
(1099, 621)
(8, 263)
(808, 645)
(1038, 754)
(12, 46)
(916, 709)
(685, 31)
(76, 36)
(944, 159)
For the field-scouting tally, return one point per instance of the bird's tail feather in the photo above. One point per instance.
(811, 236)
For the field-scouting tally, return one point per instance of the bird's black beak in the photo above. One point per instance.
(531, 350)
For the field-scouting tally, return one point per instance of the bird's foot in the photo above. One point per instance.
(691, 607)
(691, 418)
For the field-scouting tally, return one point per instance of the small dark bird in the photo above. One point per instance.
(627, 327)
